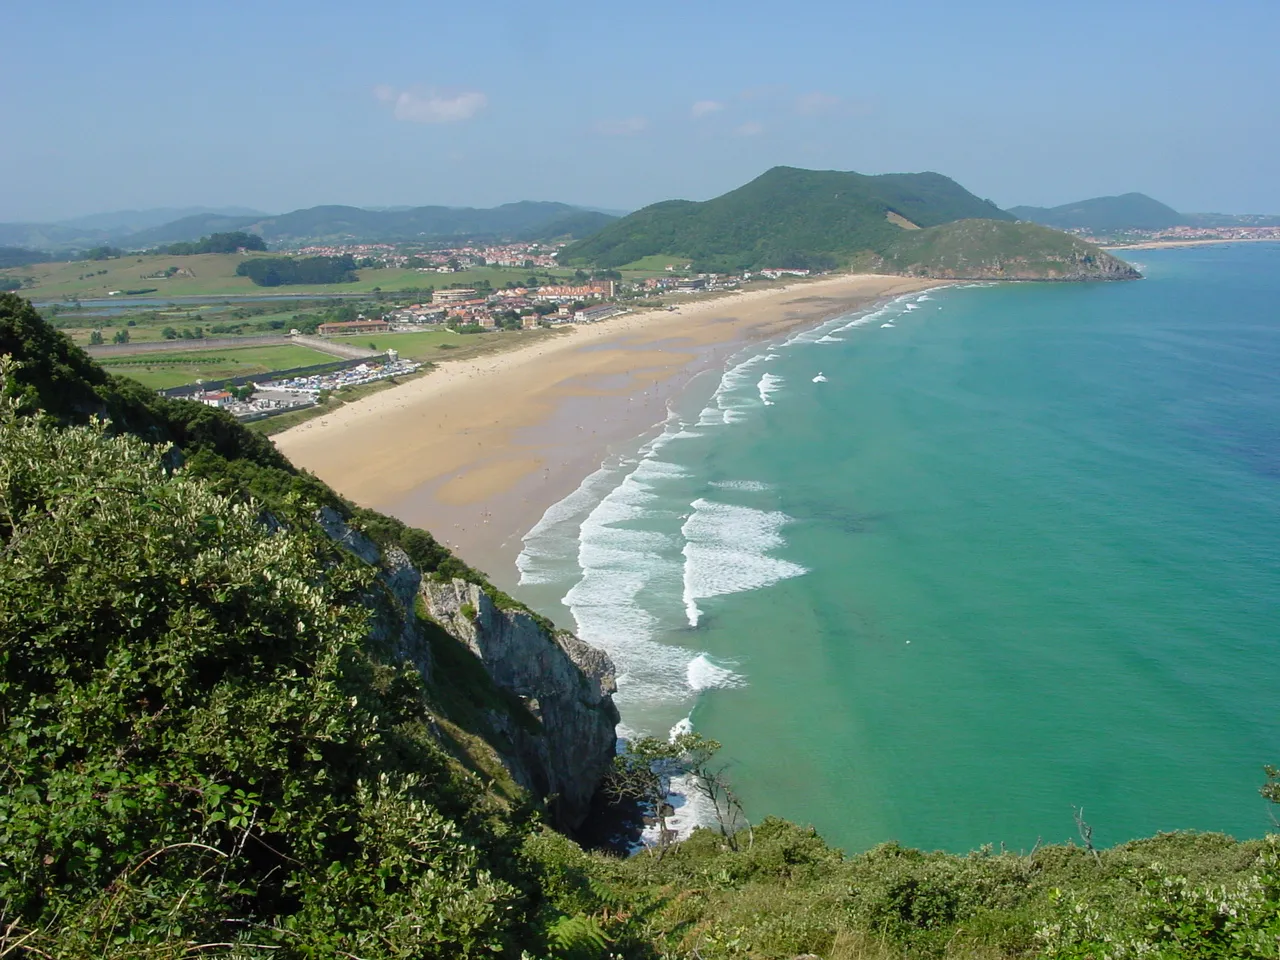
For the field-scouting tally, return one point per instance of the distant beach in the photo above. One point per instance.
(1168, 244)
(477, 450)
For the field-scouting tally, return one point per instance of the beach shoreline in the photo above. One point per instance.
(479, 449)
(1170, 244)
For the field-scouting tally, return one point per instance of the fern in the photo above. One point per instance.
(577, 938)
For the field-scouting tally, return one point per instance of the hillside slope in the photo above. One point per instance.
(996, 250)
(785, 217)
(512, 220)
(1129, 211)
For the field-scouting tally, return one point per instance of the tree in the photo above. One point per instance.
(121, 336)
(169, 333)
(1271, 789)
(95, 338)
(645, 770)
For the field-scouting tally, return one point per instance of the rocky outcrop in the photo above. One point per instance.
(556, 736)
(566, 685)
(393, 626)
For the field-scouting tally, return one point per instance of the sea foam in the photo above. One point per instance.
(726, 551)
(767, 387)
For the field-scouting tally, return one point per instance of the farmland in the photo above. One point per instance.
(160, 371)
(214, 274)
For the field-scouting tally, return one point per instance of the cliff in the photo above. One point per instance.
(554, 732)
(566, 686)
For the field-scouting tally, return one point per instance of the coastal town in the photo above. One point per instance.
(449, 306)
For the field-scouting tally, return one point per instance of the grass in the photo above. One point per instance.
(214, 274)
(444, 344)
(163, 370)
(655, 265)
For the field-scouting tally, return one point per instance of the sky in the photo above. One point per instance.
(286, 104)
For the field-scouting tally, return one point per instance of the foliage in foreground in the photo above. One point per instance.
(199, 748)
(786, 893)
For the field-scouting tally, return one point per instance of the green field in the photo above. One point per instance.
(214, 274)
(428, 344)
(162, 370)
(654, 266)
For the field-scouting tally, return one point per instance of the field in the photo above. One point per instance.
(654, 266)
(164, 370)
(214, 274)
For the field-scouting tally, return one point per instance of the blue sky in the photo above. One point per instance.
(284, 104)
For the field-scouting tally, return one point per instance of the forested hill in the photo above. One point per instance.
(1129, 211)
(998, 250)
(523, 220)
(785, 217)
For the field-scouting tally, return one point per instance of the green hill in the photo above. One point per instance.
(993, 249)
(332, 223)
(1129, 211)
(785, 218)
(243, 718)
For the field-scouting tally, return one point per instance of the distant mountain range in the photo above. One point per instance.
(918, 223)
(140, 230)
(1132, 211)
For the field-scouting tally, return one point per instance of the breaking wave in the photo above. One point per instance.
(726, 551)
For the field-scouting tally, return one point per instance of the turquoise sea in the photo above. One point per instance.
(941, 572)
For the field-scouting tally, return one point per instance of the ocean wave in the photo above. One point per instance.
(767, 386)
(754, 486)
(725, 405)
(819, 378)
(704, 674)
(553, 540)
(726, 551)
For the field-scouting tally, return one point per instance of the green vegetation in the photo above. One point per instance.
(1130, 211)
(524, 220)
(215, 243)
(287, 271)
(161, 370)
(991, 249)
(784, 218)
(207, 751)
(215, 274)
(20, 257)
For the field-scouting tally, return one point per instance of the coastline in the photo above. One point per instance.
(476, 451)
(1170, 244)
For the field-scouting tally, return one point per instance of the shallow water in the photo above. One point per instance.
(941, 572)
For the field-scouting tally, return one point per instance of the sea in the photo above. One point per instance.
(964, 567)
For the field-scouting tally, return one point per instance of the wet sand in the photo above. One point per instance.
(478, 449)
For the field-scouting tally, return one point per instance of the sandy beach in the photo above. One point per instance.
(478, 449)
(1166, 244)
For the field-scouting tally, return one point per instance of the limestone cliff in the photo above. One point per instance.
(567, 686)
(554, 730)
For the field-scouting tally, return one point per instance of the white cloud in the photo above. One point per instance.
(815, 102)
(431, 106)
(622, 128)
(750, 129)
(704, 107)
